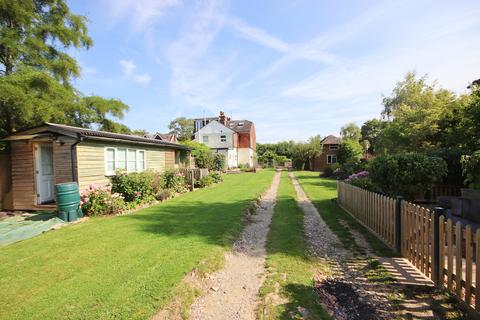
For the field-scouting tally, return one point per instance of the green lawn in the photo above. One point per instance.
(289, 268)
(322, 192)
(125, 267)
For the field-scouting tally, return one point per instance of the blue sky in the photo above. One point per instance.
(295, 68)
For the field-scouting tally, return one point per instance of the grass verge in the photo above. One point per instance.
(287, 292)
(322, 193)
(125, 267)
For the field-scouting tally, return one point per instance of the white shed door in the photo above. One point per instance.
(45, 177)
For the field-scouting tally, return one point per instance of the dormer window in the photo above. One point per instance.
(240, 124)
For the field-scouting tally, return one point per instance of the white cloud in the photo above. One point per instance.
(197, 78)
(128, 70)
(263, 38)
(142, 13)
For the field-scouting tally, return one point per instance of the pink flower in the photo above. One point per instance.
(138, 193)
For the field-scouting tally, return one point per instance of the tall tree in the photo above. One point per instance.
(370, 131)
(182, 127)
(36, 33)
(350, 131)
(35, 70)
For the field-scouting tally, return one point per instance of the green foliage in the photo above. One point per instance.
(350, 131)
(203, 155)
(135, 186)
(216, 176)
(370, 132)
(35, 71)
(100, 201)
(36, 33)
(182, 127)
(175, 180)
(471, 169)
(218, 163)
(406, 174)
(349, 152)
(267, 158)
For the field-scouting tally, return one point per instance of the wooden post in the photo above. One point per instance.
(398, 224)
(437, 263)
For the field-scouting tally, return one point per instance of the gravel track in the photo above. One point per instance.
(233, 290)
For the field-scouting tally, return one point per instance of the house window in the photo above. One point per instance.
(331, 158)
(223, 138)
(333, 147)
(132, 160)
(205, 139)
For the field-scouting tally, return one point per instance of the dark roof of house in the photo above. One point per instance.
(331, 139)
(240, 125)
(79, 132)
(161, 136)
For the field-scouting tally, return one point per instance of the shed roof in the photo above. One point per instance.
(91, 134)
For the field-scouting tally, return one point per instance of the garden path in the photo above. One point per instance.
(233, 290)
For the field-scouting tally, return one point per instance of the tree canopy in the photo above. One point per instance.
(182, 127)
(35, 70)
(350, 131)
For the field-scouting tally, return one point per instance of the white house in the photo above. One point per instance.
(220, 139)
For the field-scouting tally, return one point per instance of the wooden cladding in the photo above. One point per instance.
(444, 251)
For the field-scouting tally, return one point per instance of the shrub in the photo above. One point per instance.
(203, 155)
(134, 187)
(204, 182)
(216, 176)
(406, 174)
(165, 194)
(349, 151)
(361, 180)
(218, 163)
(100, 201)
(471, 170)
(175, 181)
(158, 182)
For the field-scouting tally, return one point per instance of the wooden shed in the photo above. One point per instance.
(52, 153)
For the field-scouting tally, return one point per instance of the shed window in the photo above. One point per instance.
(177, 157)
(331, 158)
(141, 160)
(110, 161)
(223, 138)
(121, 159)
(333, 147)
(132, 160)
(205, 139)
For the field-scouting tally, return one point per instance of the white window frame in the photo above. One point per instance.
(330, 158)
(223, 138)
(115, 157)
(333, 147)
(205, 139)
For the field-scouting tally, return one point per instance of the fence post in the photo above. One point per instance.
(398, 224)
(436, 259)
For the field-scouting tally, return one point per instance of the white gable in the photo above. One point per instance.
(215, 127)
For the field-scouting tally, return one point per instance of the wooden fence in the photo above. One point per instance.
(192, 175)
(445, 252)
(375, 211)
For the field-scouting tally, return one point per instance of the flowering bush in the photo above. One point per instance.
(175, 180)
(100, 201)
(361, 180)
(135, 187)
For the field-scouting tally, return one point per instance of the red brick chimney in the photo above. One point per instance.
(222, 118)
